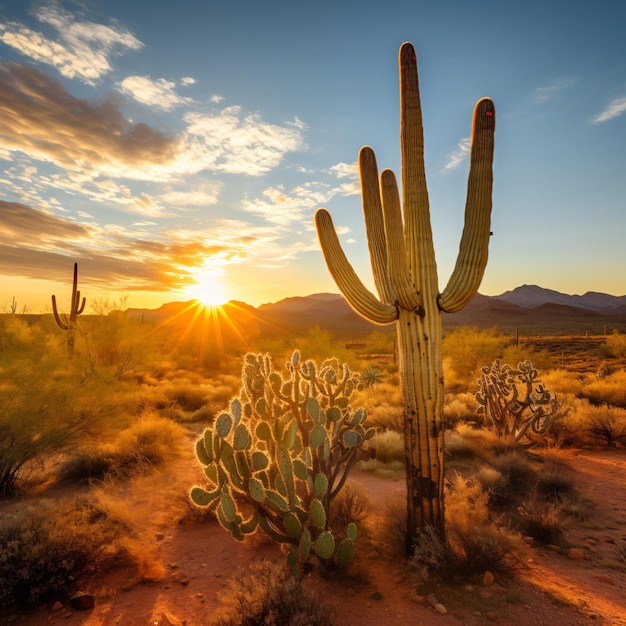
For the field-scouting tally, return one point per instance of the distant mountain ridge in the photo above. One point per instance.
(530, 309)
(530, 296)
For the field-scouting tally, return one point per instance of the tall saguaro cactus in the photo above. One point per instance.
(68, 323)
(405, 275)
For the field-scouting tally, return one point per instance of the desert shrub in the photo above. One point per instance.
(384, 405)
(40, 417)
(542, 521)
(587, 425)
(350, 505)
(615, 345)
(554, 484)
(494, 483)
(467, 348)
(520, 472)
(460, 407)
(475, 543)
(47, 549)
(148, 443)
(371, 376)
(465, 441)
(265, 597)
(564, 383)
(610, 390)
(389, 446)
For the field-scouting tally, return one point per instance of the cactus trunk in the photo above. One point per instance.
(405, 274)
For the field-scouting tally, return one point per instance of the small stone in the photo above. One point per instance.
(83, 601)
(575, 554)
(488, 578)
(432, 599)
(552, 547)
(440, 609)
(492, 615)
(57, 606)
(603, 578)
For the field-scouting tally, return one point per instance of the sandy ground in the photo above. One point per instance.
(197, 559)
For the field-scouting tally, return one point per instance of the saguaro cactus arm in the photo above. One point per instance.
(356, 293)
(473, 251)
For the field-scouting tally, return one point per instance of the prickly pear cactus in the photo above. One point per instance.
(280, 454)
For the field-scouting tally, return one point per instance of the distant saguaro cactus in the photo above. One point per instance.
(13, 306)
(68, 322)
(405, 275)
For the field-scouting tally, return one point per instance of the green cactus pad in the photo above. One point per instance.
(228, 506)
(210, 471)
(321, 485)
(201, 453)
(235, 410)
(345, 553)
(281, 485)
(317, 437)
(324, 545)
(201, 497)
(261, 406)
(259, 461)
(286, 468)
(369, 434)
(241, 438)
(300, 470)
(256, 489)
(333, 414)
(304, 548)
(292, 526)
(223, 424)
(358, 417)
(257, 382)
(313, 407)
(351, 531)
(263, 431)
(275, 501)
(352, 438)
(289, 436)
(243, 465)
(317, 513)
(295, 358)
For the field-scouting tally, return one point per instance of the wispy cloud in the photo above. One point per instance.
(159, 93)
(615, 108)
(459, 155)
(548, 92)
(75, 48)
(122, 259)
(43, 121)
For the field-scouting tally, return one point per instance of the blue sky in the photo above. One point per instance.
(161, 144)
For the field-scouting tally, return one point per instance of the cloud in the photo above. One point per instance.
(234, 143)
(43, 121)
(187, 80)
(159, 93)
(459, 155)
(77, 49)
(615, 108)
(118, 258)
(543, 94)
(345, 170)
(284, 208)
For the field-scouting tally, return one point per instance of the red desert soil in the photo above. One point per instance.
(559, 587)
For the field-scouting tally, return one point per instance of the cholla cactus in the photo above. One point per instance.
(68, 323)
(514, 400)
(405, 275)
(283, 450)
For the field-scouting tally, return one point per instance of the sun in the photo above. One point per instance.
(208, 287)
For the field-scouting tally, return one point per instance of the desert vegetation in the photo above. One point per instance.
(93, 440)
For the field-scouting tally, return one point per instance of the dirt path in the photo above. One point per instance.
(559, 587)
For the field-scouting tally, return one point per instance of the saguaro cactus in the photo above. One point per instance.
(405, 276)
(68, 322)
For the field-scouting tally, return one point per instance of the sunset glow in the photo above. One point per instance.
(208, 288)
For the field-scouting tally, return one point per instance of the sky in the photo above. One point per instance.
(174, 149)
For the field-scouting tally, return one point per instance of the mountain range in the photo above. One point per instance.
(529, 309)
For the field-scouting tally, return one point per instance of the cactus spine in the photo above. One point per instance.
(284, 449)
(68, 323)
(405, 275)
